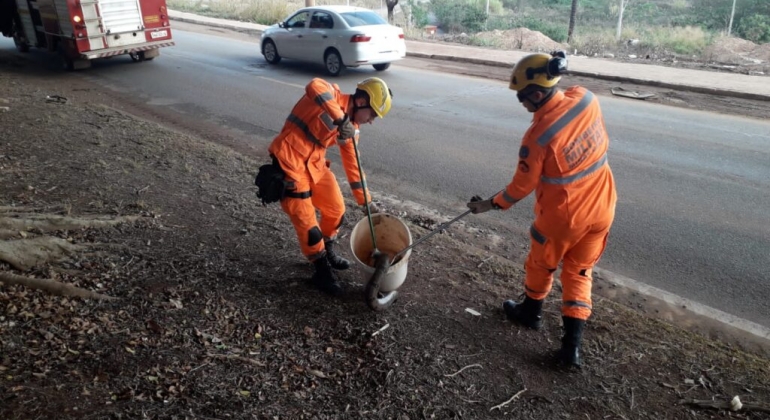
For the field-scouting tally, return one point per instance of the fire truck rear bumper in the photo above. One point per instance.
(125, 49)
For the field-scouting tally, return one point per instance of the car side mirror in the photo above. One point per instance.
(281, 24)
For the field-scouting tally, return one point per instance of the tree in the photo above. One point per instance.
(623, 4)
(391, 5)
(732, 15)
(572, 17)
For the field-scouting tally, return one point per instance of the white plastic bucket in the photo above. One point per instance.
(392, 236)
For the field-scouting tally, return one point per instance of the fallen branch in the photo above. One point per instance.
(53, 222)
(23, 254)
(236, 357)
(52, 286)
(501, 405)
(381, 330)
(460, 371)
(725, 405)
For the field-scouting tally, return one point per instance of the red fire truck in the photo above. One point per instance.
(82, 30)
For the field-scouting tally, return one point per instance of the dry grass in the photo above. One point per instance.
(686, 40)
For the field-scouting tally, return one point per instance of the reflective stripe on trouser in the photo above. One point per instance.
(579, 249)
(327, 198)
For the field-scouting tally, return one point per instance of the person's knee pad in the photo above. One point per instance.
(314, 236)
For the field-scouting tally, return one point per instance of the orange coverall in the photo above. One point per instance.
(300, 149)
(563, 156)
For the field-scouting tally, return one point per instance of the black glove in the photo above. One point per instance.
(346, 128)
(478, 205)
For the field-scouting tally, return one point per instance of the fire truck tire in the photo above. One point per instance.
(150, 54)
(140, 56)
(21, 44)
(72, 64)
(67, 63)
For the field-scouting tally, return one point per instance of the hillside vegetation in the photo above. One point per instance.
(679, 26)
(661, 27)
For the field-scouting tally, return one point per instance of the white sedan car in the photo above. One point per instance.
(335, 36)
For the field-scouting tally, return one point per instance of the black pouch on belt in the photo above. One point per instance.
(271, 183)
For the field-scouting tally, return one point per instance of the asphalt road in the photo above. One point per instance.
(694, 188)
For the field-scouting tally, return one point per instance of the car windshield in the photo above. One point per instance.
(363, 18)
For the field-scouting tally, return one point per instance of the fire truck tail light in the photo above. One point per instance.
(77, 19)
(162, 16)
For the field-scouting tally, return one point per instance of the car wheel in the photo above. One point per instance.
(381, 67)
(270, 52)
(333, 63)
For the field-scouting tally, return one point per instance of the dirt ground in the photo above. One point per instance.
(206, 311)
(725, 54)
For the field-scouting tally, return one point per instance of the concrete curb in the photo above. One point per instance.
(217, 25)
(685, 312)
(493, 63)
(643, 82)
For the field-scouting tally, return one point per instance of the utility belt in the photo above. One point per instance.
(272, 185)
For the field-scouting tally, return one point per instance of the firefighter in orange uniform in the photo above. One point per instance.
(563, 158)
(324, 117)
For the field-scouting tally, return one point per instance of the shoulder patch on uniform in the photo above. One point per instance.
(524, 152)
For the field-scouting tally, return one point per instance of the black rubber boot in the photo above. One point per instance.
(569, 354)
(528, 313)
(337, 262)
(324, 278)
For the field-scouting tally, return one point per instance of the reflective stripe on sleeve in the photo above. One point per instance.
(328, 121)
(356, 185)
(565, 119)
(323, 98)
(508, 198)
(305, 129)
(582, 174)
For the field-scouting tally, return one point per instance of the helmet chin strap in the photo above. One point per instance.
(537, 105)
(356, 107)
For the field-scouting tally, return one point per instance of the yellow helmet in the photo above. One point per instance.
(538, 69)
(380, 96)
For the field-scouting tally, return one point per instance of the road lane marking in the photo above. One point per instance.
(282, 82)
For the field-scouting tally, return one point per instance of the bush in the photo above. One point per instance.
(755, 28)
(419, 13)
(459, 16)
(556, 32)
